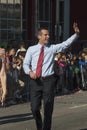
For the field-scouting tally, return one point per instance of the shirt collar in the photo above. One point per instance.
(39, 45)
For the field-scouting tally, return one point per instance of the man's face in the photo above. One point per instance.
(44, 37)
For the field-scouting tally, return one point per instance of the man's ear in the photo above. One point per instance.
(39, 37)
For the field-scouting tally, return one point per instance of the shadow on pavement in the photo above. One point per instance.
(16, 118)
(84, 129)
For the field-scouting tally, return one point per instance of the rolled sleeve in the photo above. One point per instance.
(64, 45)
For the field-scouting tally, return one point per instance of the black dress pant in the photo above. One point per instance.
(42, 89)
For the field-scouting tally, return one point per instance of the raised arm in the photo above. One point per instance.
(65, 44)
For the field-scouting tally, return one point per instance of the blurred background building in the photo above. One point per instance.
(20, 19)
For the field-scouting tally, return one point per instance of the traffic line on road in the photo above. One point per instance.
(84, 105)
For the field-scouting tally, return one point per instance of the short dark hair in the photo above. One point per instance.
(40, 29)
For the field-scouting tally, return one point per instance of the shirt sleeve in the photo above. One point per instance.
(27, 62)
(64, 45)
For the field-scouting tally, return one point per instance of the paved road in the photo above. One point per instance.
(70, 113)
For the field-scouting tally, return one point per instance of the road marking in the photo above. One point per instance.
(84, 105)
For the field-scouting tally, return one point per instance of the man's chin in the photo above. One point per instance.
(46, 42)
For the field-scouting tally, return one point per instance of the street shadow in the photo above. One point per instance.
(84, 129)
(16, 118)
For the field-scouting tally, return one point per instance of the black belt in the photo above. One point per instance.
(46, 77)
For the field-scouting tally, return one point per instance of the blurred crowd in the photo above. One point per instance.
(70, 71)
(16, 90)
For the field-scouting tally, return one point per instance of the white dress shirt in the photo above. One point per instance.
(32, 55)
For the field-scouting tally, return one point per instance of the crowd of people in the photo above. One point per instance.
(44, 69)
(12, 77)
(70, 71)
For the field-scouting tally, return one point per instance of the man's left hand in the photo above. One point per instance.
(76, 29)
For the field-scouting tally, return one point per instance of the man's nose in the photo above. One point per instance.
(48, 36)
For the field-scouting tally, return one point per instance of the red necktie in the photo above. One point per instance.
(40, 62)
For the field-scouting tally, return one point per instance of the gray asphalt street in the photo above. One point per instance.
(70, 113)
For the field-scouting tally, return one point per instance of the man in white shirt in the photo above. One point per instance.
(43, 86)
